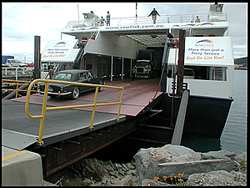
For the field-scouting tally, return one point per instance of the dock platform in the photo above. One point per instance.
(59, 125)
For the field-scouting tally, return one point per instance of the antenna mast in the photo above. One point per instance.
(136, 10)
(78, 13)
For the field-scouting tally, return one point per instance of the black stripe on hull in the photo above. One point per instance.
(205, 115)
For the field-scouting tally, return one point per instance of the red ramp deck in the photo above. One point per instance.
(137, 95)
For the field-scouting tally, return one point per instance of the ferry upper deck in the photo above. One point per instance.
(214, 24)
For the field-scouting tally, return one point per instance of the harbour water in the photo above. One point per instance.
(234, 135)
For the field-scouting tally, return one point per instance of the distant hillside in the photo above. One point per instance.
(241, 63)
(242, 60)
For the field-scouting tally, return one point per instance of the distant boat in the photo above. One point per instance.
(15, 63)
(5, 58)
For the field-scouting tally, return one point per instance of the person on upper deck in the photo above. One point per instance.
(108, 19)
(197, 19)
(154, 13)
(102, 20)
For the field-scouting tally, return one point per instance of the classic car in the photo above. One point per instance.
(74, 75)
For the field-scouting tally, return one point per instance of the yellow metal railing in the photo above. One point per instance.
(17, 84)
(42, 116)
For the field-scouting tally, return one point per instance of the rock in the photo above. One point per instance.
(172, 159)
(96, 184)
(131, 172)
(221, 154)
(125, 168)
(150, 182)
(94, 168)
(87, 181)
(127, 181)
(214, 178)
(189, 168)
(76, 182)
(241, 157)
(114, 174)
(242, 161)
(147, 160)
(130, 166)
(240, 177)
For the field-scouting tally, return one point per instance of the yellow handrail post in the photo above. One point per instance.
(42, 119)
(42, 116)
(94, 108)
(17, 89)
(120, 104)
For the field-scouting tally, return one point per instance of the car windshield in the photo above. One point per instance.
(63, 76)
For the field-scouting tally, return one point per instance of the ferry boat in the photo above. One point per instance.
(111, 51)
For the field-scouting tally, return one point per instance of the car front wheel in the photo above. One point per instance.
(75, 93)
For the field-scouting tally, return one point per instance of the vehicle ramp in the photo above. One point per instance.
(137, 95)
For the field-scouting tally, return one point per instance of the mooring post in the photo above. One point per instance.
(131, 68)
(180, 69)
(122, 68)
(37, 58)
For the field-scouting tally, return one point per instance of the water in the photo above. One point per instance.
(234, 136)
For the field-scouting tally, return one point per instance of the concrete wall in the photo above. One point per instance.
(21, 168)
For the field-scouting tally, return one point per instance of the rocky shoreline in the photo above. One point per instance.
(169, 165)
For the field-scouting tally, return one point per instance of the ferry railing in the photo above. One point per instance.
(141, 20)
(95, 104)
(17, 84)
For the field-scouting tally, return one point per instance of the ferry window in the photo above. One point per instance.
(45, 67)
(50, 67)
(169, 73)
(171, 70)
(89, 66)
(218, 73)
(89, 77)
(83, 76)
(63, 76)
(189, 73)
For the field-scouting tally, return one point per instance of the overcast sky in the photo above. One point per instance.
(21, 21)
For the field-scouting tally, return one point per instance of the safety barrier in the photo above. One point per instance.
(17, 84)
(42, 116)
(141, 20)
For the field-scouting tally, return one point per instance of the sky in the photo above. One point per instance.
(22, 21)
